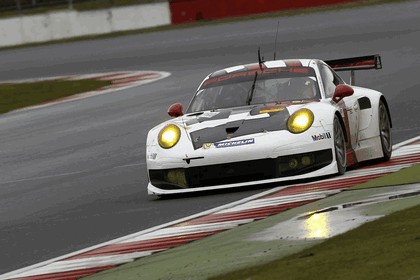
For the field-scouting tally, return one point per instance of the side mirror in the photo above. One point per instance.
(342, 91)
(175, 110)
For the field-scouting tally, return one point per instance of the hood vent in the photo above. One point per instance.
(231, 130)
(232, 127)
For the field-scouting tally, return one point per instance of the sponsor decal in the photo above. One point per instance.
(227, 144)
(321, 136)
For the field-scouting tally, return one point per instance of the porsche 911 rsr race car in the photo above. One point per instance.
(268, 122)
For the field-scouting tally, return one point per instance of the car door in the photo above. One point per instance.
(349, 105)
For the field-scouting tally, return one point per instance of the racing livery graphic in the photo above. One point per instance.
(267, 122)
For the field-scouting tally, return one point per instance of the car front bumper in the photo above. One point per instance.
(240, 172)
(272, 157)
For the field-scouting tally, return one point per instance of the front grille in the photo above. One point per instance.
(240, 172)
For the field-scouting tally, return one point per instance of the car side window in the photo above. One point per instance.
(330, 80)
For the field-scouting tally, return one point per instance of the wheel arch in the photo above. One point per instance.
(340, 119)
(382, 98)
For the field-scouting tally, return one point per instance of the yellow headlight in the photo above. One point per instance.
(300, 121)
(169, 136)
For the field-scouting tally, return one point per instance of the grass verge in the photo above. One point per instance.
(388, 248)
(20, 95)
(405, 176)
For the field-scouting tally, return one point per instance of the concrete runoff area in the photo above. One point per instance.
(271, 239)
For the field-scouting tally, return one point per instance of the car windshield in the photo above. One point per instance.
(256, 87)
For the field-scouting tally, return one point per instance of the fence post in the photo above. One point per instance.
(71, 4)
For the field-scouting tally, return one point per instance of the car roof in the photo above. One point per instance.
(264, 65)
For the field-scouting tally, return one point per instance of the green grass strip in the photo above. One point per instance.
(20, 95)
(405, 176)
(388, 248)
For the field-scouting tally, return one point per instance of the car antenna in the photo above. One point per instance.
(275, 42)
(260, 60)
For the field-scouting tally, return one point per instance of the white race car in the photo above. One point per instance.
(267, 122)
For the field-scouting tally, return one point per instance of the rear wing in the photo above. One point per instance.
(356, 63)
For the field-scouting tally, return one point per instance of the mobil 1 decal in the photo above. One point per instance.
(321, 136)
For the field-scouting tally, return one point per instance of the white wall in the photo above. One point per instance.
(67, 24)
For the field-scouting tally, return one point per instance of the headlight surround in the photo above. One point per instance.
(300, 121)
(169, 136)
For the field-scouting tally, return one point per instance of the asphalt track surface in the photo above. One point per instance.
(73, 175)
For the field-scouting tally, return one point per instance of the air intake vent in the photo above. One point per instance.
(231, 130)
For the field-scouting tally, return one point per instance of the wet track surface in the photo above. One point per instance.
(73, 175)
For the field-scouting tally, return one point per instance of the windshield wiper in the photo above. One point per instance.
(251, 94)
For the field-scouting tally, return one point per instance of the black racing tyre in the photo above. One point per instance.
(385, 131)
(339, 146)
